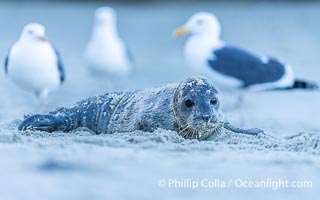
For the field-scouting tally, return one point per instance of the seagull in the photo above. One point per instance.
(232, 66)
(106, 53)
(34, 64)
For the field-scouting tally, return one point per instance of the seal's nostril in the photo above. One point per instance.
(206, 118)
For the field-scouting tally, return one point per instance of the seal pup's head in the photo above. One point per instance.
(196, 107)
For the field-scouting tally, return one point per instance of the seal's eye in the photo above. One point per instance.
(189, 103)
(30, 32)
(214, 101)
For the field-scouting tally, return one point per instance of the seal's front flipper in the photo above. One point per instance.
(47, 123)
(250, 131)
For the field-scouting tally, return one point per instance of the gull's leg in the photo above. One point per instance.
(119, 83)
(250, 131)
(42, 105)
(42, 100)
(242, 120)
(238, 106)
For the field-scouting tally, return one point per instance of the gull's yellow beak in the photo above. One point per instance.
(181, 31)
(42, 38)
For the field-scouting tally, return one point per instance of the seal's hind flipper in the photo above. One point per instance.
(249, 131)
(48, 123)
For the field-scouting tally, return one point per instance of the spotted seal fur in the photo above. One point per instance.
(191, 108)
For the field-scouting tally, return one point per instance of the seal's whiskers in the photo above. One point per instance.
(193, 131)
(187, 134)
(189, 131)
(183, 129)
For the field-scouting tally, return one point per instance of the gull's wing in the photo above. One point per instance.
(246, 67)
(6, 62)
(59, 65)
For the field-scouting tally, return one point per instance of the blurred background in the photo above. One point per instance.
(288, 30)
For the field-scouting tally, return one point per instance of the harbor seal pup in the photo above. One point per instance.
(191, 108)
